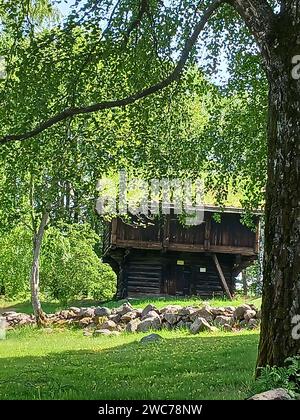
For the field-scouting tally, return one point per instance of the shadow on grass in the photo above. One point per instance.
(215, 367)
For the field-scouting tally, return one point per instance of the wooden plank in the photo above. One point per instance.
(114, 226)
(140, 245)
(222, 277)
(214, 248)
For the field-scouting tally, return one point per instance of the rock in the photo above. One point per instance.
(147, 309)
(87, 313)
(199, 325)
(274, 394)
(64, 322)
(218, 311)
(258, 314)
(171, 308)
(240, 311)
(108, 325)
(253, 323)
(205, 313)
(229, 309)
(243, 323)
(66, 314)
(122, 310)
(105, 332)
(167, 326)
(115, 317)
(75, 310)
(227, 327)
(249, 314)
(222, 320)
(102, 311)
(102, 332)
(129, 316)
(84, 322)
(152, 338)
(132, 325)
(187, 311)
(171, 317)
(24, 321)
(3, 328)
(181, 324)
(87, 333)
(151, 314)
(149, 324)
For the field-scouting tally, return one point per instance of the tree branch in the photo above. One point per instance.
(99, 106)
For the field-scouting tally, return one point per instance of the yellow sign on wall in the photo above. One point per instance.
(180, 262)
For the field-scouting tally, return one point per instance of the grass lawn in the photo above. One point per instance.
(66, 365)
(49, 307)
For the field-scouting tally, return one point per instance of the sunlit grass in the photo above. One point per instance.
(63, 364)
(159, 302)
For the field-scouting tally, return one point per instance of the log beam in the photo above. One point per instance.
(222, 277)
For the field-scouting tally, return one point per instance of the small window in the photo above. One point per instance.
(202, 269)
(180, 262)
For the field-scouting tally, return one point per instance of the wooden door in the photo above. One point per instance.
(179, 280)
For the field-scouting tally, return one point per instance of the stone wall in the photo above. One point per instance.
(105, 321)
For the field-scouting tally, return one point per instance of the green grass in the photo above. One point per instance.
(64, 364)
(49, 307)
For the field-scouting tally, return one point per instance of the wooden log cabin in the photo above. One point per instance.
(164, 257)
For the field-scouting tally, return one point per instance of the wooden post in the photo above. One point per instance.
(245, 284)
(257, 235)
(207, 232)
(222, 277)
(166, 232)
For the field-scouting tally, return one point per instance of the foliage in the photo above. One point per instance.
(67, 365)
(287, 377)
(70, 268)
(190, 127)
(15, 260)
(254, 279)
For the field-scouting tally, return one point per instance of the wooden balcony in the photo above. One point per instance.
(229, 236)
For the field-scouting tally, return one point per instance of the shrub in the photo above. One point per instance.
(69, 267)
(287, 377)
(15, 262)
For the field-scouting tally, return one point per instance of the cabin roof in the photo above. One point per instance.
(227, 209)
(215, 209)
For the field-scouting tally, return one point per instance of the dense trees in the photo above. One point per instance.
(110, 54)
(69, 267)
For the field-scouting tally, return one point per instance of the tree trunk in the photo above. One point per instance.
(35, 275)
(245, 284)
(281, 288)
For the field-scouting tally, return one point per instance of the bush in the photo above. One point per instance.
(287, 377)
(15, 262)
(69, 267)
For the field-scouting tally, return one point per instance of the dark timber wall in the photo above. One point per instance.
(153, 273)
(166, 258)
